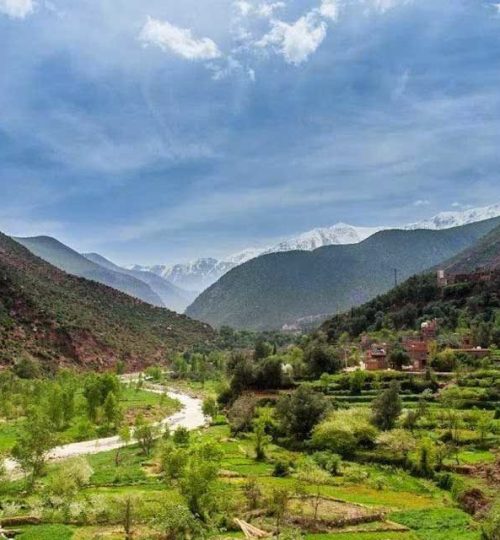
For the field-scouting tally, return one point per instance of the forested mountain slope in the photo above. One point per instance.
(485, 255)
(58, 318)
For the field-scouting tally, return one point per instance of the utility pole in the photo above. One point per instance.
(395, 277)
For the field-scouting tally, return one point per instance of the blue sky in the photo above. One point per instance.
(159, 131)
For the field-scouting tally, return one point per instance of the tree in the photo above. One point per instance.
(199, 479)
(426, 458)
(387, 407)
(299, 412)
(124, 436)
(262, 350)
(328, 461)
(178, 523)
(262, 439)
(321, 358)
(397, 442)
(71, 476)
(315, 477)
(241, 413)
(145, 433)
(111, 410)
(127, 508)
(278, 504)
(269, 373)
(356, 382)
(210, 407)
(173, 461)
(181, 436)
(398, 358)
(253, 493)
(342, 432)
(34, 440)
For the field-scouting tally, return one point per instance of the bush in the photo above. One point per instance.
(345, 431)
(281, 469)
(328, 461)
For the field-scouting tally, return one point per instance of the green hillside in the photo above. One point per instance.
(61, 319)
(277, 289)
(59, 255)
(476, 305)
(484, 254)
(172, 297)
(419, 299)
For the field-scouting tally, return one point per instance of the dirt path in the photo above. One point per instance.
(190, 416)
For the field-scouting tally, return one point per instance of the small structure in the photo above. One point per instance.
(376, 358)
(480, 275)
(418, 351)
(428, 330)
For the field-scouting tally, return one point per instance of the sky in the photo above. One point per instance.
(161, 131)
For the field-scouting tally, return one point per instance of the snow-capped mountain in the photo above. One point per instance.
(196, 275)
(341, 233)
(201, 273)
(447, 220)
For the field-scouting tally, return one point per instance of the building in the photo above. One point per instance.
(418, 351)
(480, 275)
(376, 358)
(428, 330)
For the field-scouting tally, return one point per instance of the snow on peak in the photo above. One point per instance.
(447, 220)
(199, 274)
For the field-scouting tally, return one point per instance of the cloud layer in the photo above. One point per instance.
(17, 9)
(178, 40)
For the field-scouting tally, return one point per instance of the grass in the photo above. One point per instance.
(8, 434)
(47, 532)
(129, 471)
(439, 524)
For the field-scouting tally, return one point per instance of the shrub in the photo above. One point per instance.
(344, 431)
(281, 469)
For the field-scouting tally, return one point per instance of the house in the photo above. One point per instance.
(376, 358)
(418, 351)
(428, 330)
(480, 275)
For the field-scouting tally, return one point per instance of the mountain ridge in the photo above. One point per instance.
(67, 259)
(201, 273)
(277, 289)
(171, 296)
(60, 319)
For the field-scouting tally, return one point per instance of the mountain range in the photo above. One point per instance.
(277, 289)
(200, 274)
(52, 316)
(145, 286)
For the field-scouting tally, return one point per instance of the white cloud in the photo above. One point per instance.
(244, 8)
(263, 9)
(17, 9)
(268, 9)
(386, 5)
(329, 9)
(422, 202)
(178, 40)
(296, 41)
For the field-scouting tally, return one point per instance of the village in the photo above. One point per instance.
(420, 348)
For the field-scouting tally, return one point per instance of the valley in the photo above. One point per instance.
(345, 432)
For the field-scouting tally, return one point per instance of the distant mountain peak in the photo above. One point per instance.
(449, 219)
(199, 274)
